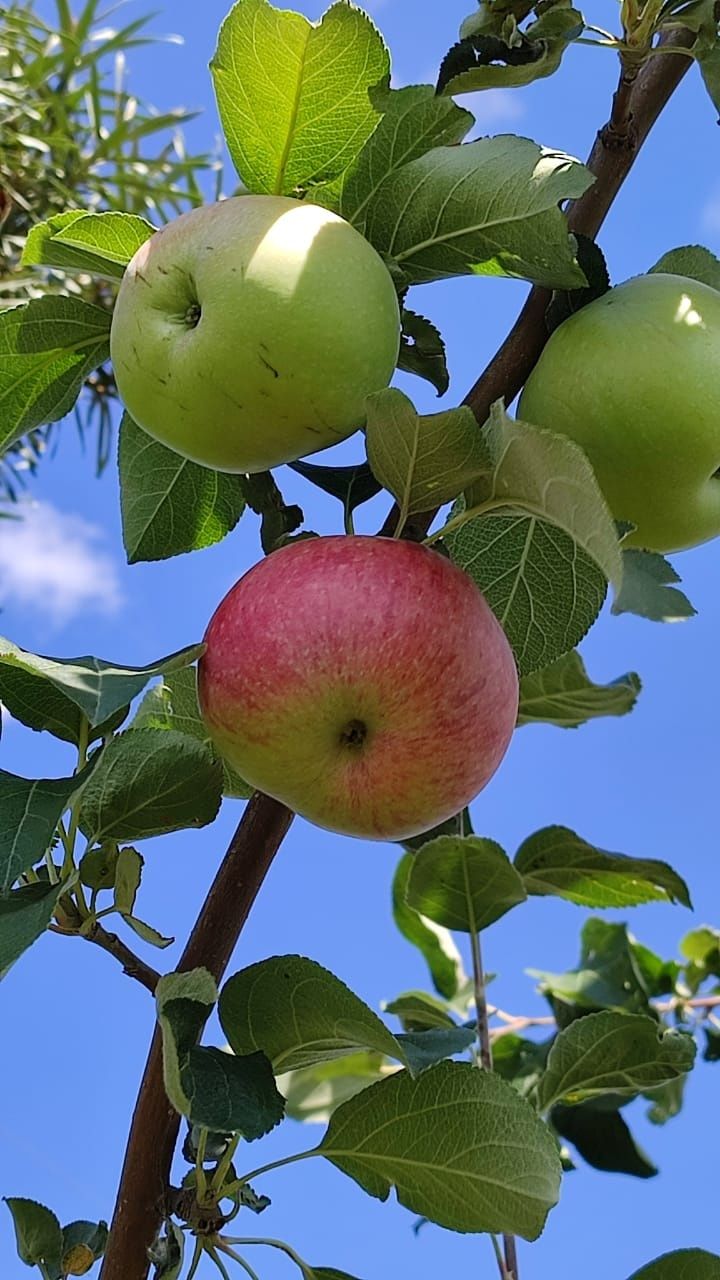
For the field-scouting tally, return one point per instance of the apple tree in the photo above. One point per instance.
(249, 332)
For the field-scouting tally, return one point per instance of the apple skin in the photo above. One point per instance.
(634, 379)
(363, 681)
(248, 333)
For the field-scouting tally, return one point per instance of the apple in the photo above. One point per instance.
(248, 333)
(634, 379)
(363, 681)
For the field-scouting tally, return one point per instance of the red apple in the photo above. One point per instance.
(364, 682)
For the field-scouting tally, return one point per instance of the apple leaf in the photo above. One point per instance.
(545, 590)
(460, 1146)
(424, 1049)
(602, 1138)
(55, 693)
(557, 861)
(422, 351)
(299, 1014)
(98, 243)
(609, 975)
(173, 704)
(169, 504)
(313, 1093)
(666, 1100)
(37, 1232)
(352, 485)
(24, 915)
(230, 1094)
(184, 1002)
(617, 1053)
(277, 519)
(329, 1273)
(305, 121)
(692, 260)
(682, 1264)
(47, 349)
(128, 874)
(423, 461)
(436, 944)
(167, 1252)
(489, 207)
(419, 1011)
(414, 121)
(30, 810)
(645, 590)
(82, 1244)
(564, 695)
(463, 882)
(148, 783)
(482, 60)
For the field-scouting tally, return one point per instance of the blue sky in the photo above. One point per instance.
(77, 1029)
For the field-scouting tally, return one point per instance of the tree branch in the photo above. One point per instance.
(132, 965)
(153, 1134)
(155, 1125)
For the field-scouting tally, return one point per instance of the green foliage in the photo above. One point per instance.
(603, 1139)
(306, 123)
(464, 883)
(169, 504)
(435, 943)
(557, 861)
(684, 1264)
(692, 260)
(491, 54)
(95, 243)
(646, 591)
(422, 351)
(564, 695)
(300, 1015)
(451, 1142)
(30, 810)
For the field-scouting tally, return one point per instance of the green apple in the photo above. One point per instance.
(634, 379)
(365, 682)
(248, 333)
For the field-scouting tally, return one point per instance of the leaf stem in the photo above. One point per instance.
(224, 1163)
(266, 1168)
(237, 1258)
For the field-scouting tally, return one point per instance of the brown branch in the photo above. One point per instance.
(155, 1125)
(153, 1134)
(132, 965)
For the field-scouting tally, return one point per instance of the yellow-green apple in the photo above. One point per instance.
(634, 379)
(248, 333)
(364, 682)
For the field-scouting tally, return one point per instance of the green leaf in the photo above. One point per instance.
(564, 695)
(173, 704)
(487, 208)
(55, 690)
(710, 70)
(458, 1144)
(645, 589)
(352, 485)
(299, 1014)
(424, 1049)
(128, 873)
(235, 1095)
(422, 351)
(556, 861)
(47, 349)
(519, 1061)
(330, 1273)
(148, 783)
(434, 943)
(293, 96)
(82, 1244)
(169, 504)
(666, 1100)
(548, 476)
(565, 302)
(414, 121)
(682, 1264)
(184, 1002)
(99, 243)
(30, 810)
(277, 518)
(693, 261)
(313, 1093)
(464, 883)
(424, 461)
(167, 1252)
(543, 588)
(98, 867)
(603, 1139)
(37, 1232)
(608, 975)
(418, 1011)
(147, 933)
(483, 61)
(24, 915)
(616, 1053)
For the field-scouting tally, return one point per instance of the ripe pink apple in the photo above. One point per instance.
(362, 681)
(249, 333)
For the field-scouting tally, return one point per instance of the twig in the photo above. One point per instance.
(132, 965)
(155, 1124)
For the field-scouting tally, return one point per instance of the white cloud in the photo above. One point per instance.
(495, 107)
(52, 562)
